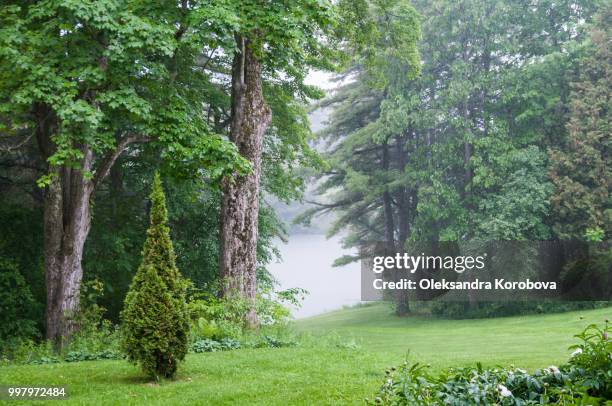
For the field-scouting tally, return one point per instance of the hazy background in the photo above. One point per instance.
(308, 256)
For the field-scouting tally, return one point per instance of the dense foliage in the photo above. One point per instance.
(504, 134)
(16, 304)
(155, 319)
(585, 379)
(580, 167)
(462, 121)
(160, 76)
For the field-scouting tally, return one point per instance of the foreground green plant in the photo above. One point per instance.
(591, 361)
(585, 379)
(214, 318)
(155, 319)
(96, 339)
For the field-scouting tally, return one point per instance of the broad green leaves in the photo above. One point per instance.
(105, 70)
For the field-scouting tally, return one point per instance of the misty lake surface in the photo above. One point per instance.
(307, 263)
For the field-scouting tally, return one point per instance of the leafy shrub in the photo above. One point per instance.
(155, 318)
(45, 360)
(27, 351)
(219, 318)
(591, 361)
(214, 318)
(585, 379)
(95, 335)
(229, 344)
(272, 307)
(76, 356)
(208, 345)
(96, 338)
(16, 302)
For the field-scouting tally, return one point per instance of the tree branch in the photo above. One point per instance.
(331, 205)
(9, 148)
(109, 159)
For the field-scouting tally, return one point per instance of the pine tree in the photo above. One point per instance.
(154, 320)
(580, 168)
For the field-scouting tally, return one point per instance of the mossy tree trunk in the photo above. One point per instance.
(240, 205)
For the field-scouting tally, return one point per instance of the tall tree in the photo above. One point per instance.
(370, 159)
(88, 81)
(580, 165)
(240, 205)
(273, 42)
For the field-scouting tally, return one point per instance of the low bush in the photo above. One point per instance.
(208, 345)
(97, 338)
(16, 304)
(585, 379)
(76, 356)
(216, 318)
(98, 346)
(26, 351)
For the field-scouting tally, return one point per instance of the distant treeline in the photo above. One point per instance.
(502, 134)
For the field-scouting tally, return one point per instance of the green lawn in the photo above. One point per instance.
(320, 371)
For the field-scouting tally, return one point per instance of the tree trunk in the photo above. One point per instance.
(403, 215)
(404, 212)
(387, 207)
(401, 299)
(67, 221)
(240, 205)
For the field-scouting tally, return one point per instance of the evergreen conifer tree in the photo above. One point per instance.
(154, 320)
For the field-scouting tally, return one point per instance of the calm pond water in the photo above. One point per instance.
(307, 263)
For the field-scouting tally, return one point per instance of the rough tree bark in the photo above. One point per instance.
(240, 204)
(67, 220)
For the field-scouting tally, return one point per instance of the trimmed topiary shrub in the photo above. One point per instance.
(155, 323)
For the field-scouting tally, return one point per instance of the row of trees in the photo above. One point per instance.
(95, 95)
(501, 132)
(504, 135)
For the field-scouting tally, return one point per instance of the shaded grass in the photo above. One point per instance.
(321, 370)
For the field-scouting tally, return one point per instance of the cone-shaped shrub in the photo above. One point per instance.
(155, 323)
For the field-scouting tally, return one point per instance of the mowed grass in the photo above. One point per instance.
(322, 370)
(531, 341)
